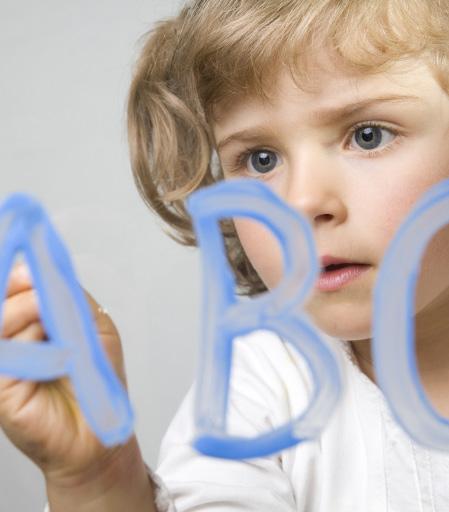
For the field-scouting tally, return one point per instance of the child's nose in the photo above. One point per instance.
(315, 188)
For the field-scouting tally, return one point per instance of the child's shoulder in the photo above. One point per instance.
(276, 373)
(266, 353)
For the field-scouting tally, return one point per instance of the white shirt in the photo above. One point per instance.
(362, 462)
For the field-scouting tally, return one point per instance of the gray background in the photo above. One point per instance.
(65, 71)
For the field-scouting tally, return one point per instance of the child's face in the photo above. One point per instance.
(354, 202)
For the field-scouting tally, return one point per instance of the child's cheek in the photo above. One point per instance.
(262, 249)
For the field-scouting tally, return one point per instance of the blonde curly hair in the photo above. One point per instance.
(216, 50)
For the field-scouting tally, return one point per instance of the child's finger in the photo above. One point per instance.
(19, 280)
(32, 332)
(19, 311)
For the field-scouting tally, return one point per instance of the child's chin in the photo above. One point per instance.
(344, 325)
(350, 333)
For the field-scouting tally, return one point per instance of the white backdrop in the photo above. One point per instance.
(65, 71)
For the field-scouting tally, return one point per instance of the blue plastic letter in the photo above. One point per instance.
(73, 348)
(393, 347)
(224, 318)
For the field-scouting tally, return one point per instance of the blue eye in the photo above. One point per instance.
(368, 137)
(262, 161)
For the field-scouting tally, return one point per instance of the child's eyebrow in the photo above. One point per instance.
(327, 116)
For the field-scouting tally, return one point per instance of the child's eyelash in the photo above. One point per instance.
(241, 159)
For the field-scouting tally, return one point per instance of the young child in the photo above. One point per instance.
(342, 109)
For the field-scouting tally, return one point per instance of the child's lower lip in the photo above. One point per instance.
(332, 280)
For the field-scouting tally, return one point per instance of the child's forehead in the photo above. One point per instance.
(333, 84)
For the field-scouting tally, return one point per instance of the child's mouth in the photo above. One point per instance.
(333, 277)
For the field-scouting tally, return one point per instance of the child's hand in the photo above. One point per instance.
(43, 419)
